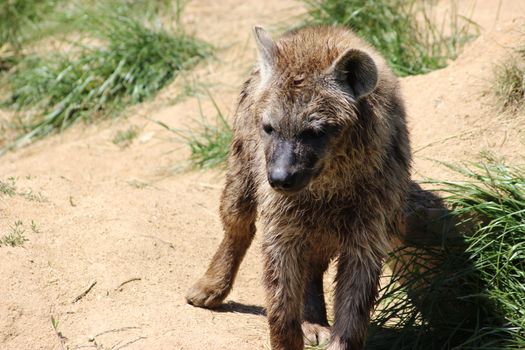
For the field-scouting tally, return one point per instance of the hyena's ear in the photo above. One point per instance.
(356, 71)
(267, 52)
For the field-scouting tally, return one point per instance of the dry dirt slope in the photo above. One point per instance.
(112, 215)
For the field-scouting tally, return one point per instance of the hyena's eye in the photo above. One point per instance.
(311, 134)
(268, 128)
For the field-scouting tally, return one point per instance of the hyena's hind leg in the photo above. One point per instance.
(316, 329)
(238, 213)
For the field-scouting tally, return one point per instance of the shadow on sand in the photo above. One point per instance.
(435, 297)
(233, 306)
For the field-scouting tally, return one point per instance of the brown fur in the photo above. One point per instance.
(350, 205)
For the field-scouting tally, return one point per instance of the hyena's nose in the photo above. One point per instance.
(280, 178)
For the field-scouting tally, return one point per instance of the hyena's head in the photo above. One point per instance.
(306, 102)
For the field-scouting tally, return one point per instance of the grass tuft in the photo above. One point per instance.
(135, 62)
(18, 18)
(124, 138)
(210, 146)
(32, 196)
(509, 83)
(15, 237)
(467, 292)
(34, 227)
(210, 143)
(8, 187)
(405, 32)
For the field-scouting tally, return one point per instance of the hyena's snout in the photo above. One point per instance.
(283, 179)
(286, 171)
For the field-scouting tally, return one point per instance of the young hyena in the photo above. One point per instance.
(320, 150)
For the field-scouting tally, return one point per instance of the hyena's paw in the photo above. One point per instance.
(206, 294)
(315, 334)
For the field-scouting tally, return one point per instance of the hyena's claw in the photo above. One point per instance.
(205, 295)
(315, 334)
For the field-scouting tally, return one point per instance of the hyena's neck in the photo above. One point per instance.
(347, 170)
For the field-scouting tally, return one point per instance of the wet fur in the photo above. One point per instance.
(350, 210)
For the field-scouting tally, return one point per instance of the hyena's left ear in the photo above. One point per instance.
(356, 71)
(267, 52)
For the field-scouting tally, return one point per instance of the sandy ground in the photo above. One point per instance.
(142, 232)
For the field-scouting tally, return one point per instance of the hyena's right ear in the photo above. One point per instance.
(356, 71)
(267, 52)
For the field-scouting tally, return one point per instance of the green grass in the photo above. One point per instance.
(209, 142)
(509, 83)
(34, 227)
(124, 138)
(133, 61)
(19, 19)
(210, 145)
(23, 22)
(15, 237)
(468, 292)
(406, 32)
(32, 196)
(8, 187)
(138, 184)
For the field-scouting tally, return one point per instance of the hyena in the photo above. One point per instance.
(320, 153)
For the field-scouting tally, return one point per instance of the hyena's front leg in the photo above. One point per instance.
(284, 282)
(357, 283)
(238, 213)
(315, 326)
